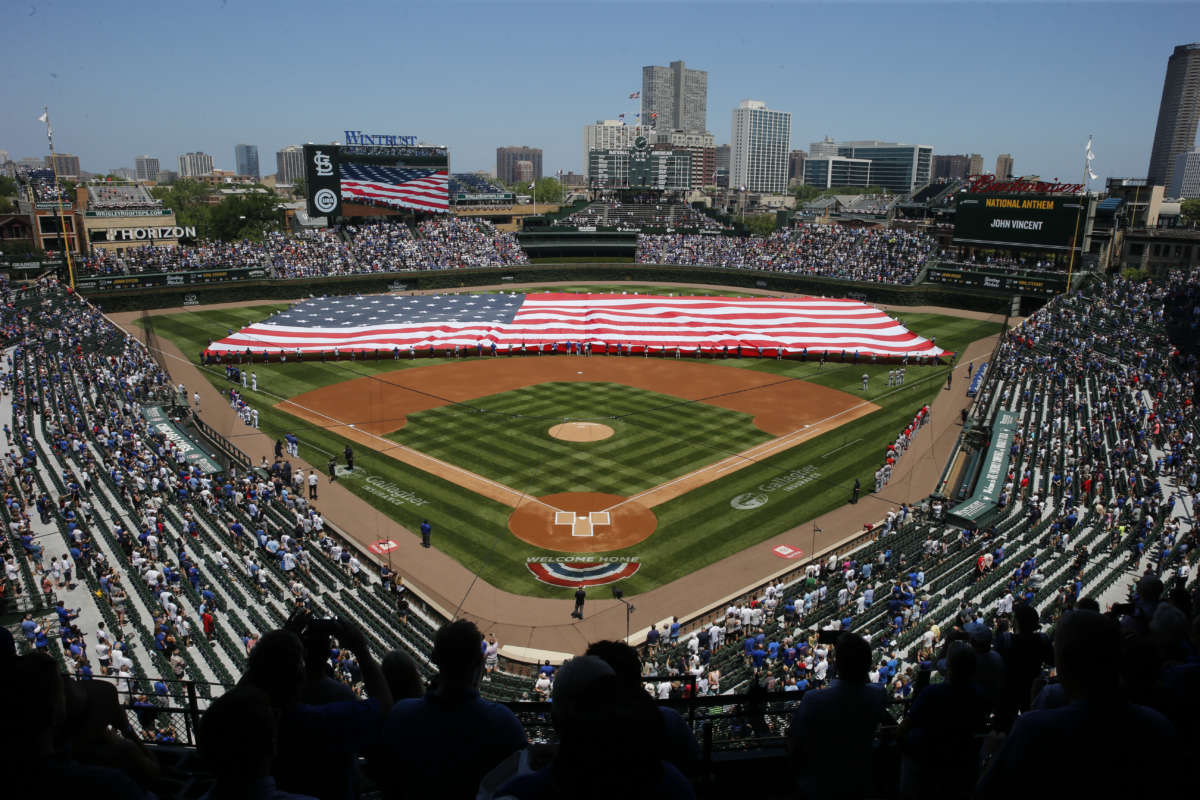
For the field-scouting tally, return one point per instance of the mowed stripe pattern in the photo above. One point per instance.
(656, 437)
(599, 321)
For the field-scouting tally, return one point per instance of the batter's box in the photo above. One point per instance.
(582, 525)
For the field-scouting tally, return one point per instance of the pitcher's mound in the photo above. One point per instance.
(581, 431)
(582, 522)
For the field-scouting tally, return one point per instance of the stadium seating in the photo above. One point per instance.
(639, 215)
(1098, 503)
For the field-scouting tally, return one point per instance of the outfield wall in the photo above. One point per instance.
(970, 298)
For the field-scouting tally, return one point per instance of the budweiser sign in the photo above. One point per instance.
(988, 183)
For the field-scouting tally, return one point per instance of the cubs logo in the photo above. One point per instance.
(573, 574)
(325, 200)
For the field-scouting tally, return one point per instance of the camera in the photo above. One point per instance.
(304, 624)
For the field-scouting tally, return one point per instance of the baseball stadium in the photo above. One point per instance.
(464, 445)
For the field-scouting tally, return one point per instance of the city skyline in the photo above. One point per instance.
(1036, 106)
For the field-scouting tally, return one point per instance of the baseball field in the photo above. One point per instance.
(526, 466)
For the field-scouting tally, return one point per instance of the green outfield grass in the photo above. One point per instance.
(655, 437)
(694, 530)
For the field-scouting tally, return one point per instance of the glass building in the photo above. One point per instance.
(897, 167)
(834, 171)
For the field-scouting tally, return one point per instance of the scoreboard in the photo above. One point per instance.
(410, 177)
(1045, 222)
(640, 168)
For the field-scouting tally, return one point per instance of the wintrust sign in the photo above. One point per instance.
(136, 234)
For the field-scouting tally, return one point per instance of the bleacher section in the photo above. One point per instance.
(639, 215)
(120, 196)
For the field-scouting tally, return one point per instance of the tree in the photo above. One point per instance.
(8, 186)
(806, 193)
(300, 187)
(1190, 209)
(189, 200)
(548, 190)
(760, 224)
(244, 216)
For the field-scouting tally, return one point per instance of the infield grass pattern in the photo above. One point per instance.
(656, 437)
(694, 530)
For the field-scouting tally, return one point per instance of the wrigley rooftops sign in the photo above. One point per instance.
(385, 139)
(988, 183)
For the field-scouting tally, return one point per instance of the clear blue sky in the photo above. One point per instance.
(123, 78)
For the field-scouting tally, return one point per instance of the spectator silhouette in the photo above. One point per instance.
(1097, 744)
(442, 744)
(833, 730)
(1025, 651)
(400, 671)
(609, 737)
(35, 694)
(678, 744)
(940, 748)
(316, 742)
(238, 741)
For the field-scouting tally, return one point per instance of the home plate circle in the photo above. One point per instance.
(582, 522)
(581, 431)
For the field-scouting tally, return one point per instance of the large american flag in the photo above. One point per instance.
(400, 187)
(603, 321)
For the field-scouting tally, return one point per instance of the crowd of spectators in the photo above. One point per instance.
(652, 213)
(956, 684)
(878, 255)
(443, 243)
(131, 196)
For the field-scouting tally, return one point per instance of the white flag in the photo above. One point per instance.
(1091, 175)
(42, 118)
(1090, 154)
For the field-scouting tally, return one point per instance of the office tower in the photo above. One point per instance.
(64, 164)
(146, 168)
(195, 165)
(950, 167)
(1185, 180)
(245, 157)
(289, 165)
(1178, 113)
(1004, 167)
(896, 167)
(975, 164)
(675, 98)
(507, 158)
(759, 140)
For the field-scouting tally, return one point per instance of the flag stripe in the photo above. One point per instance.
(441, 321)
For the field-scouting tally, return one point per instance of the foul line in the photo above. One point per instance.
(746, 457)
(843, 447)
(391, 445)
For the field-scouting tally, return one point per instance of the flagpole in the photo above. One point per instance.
(1075, 234)
(62, 222)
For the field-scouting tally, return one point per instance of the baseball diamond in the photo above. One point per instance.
(471, 437)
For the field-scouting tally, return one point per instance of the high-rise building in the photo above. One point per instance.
(796, 160)
(507, 158)
(1178, 113)
(245, 158)
(1004, 167)
(146, 168)
(675, 98)
(195, 165)
(975, 164)
(4, 156)
(65, 164)
(523, 172)
(823, 149)
(609, 134)
(759, 140)
(894, 166)
(702, 147)
(289, 165)
(950, 167)
(722, 166)
(830, 172)
(1185, 178)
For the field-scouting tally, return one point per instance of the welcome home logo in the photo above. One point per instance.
(575, 571)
